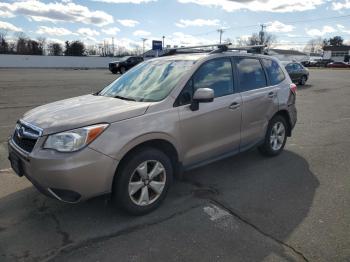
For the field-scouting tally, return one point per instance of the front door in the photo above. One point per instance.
(214, 129)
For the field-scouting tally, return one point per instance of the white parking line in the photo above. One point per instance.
(6, 170)
(215, 213)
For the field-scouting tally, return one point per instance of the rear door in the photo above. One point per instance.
(214, 129)
(259, 98)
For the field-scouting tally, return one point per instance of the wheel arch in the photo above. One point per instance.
(285, 114)
(165, 145)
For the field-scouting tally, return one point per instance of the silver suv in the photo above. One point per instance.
(162, 117)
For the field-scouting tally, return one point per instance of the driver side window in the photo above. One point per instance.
(215, 74)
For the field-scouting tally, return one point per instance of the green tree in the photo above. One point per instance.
(75, 48)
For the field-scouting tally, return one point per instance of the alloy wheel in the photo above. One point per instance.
(277, 136)
(147, 183)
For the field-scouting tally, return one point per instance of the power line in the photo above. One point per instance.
(267, 24)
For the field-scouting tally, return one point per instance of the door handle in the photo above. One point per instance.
(234, 106)
(271, 95)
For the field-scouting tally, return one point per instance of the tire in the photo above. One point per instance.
(134, 189)
(114, 71)
(122, 70)
(303, 80)
(274, 143)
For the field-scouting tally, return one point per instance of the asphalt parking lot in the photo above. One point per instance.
(294, 207)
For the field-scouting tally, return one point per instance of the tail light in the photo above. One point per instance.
(293, 88)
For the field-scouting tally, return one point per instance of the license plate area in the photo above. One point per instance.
(16, 164)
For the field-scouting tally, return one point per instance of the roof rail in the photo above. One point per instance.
(220, 48)
(197, 49)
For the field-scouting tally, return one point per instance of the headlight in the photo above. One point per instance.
(74, 140)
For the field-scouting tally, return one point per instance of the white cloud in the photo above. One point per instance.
(57, 11)
(128, 22)
(320, 32)
(9, 27)
(111, 31)
(343, 29)
(341, 5)
(288, 45)
(181, 39)
(55, 40)
(88, 32)
(6, 14)
(57, 31)
(141, 33)
(130, 44)
(280, 6)
(278, 27)
(125, 1)
(197, 22)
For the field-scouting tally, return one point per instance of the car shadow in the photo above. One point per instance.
(304, 87)
(273, 194)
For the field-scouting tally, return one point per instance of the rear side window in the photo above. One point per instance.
(217, 75)
(251, 74)
(290, 67)
(274, 71)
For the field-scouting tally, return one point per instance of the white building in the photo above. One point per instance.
(289, 55)
(337, 53)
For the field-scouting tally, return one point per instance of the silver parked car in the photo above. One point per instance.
(163, 116)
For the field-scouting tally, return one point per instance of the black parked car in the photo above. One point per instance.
(297, 72)
(124, 64)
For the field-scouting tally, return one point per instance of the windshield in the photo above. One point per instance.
(123, 59)
(150, 81)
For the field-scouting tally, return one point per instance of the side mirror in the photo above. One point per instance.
(202, 95)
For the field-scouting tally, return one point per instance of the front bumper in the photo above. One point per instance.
(69, 177)
(113, 67)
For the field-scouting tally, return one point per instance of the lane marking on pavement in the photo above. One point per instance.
(215, 213)
(6, 170)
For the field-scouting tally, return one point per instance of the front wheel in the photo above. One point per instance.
(275, 138)
(143, 181)
(122, 70)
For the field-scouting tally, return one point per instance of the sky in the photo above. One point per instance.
(182, 22)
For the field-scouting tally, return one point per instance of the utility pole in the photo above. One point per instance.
(163, 41)
(143, 45)
(220, 31)
(113, 45)
(262, 34)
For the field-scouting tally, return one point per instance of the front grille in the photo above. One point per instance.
(25, 137)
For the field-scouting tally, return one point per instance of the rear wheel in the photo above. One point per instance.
(303, 80)
(143, 181)
(276, 137)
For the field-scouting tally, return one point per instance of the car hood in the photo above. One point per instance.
(82, 111)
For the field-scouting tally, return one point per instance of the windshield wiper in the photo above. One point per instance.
(124, 98)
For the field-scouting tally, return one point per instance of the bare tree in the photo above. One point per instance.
(262, 38)
(42, 44)
(21, 45)
(314, 45)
